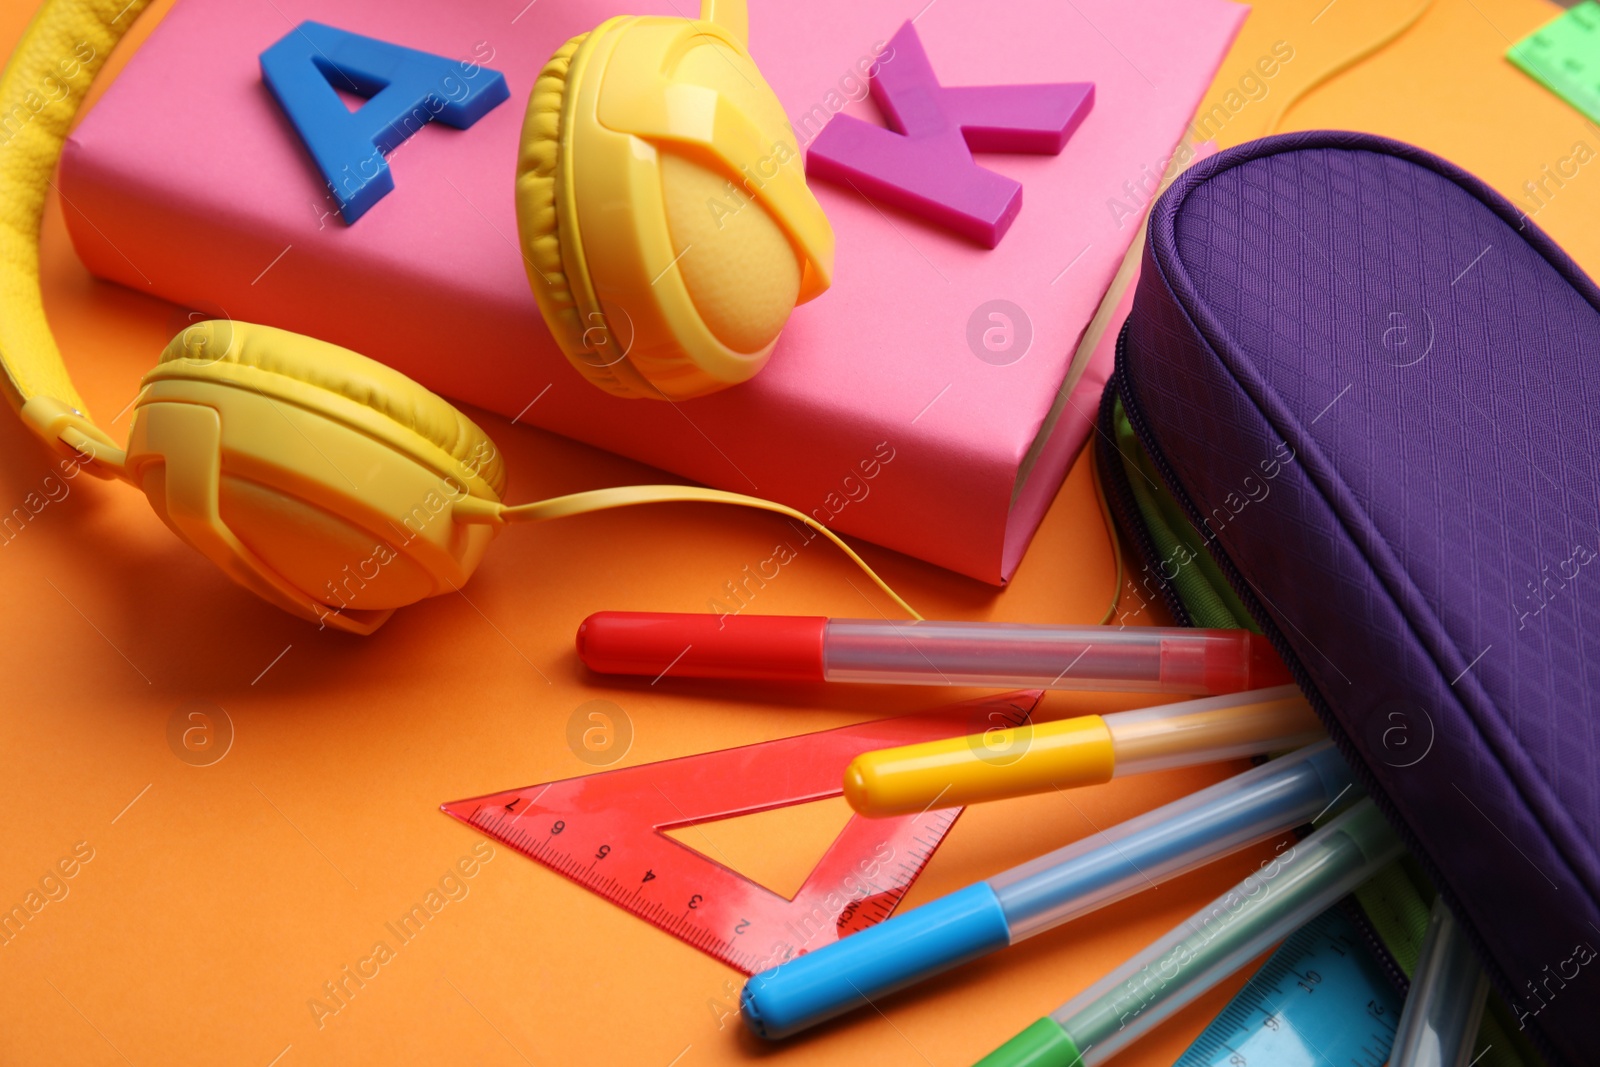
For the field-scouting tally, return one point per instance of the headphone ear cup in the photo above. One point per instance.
(662, 207)
(738, 266)
(315, 477)
(588, 345)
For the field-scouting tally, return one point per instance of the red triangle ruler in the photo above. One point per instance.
(604, 831)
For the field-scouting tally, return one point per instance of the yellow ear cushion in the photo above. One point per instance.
(537, 179)
(539, 189)
(208, 350)
(739, 268)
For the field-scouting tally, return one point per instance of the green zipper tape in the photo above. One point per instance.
(1184, 561)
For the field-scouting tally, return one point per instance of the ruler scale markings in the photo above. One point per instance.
(1314, 1024)
(589, 829)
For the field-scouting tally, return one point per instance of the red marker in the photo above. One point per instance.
(782, 648)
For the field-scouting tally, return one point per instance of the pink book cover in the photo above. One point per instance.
(882, 412)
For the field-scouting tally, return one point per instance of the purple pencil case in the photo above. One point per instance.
(1371, 387)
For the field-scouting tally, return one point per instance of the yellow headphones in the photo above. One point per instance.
(339, 489)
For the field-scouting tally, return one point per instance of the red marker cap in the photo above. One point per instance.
(778, 648)
(1266, 666)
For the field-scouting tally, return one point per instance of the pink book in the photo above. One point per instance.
(924, 402)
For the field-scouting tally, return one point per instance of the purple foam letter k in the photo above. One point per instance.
(925, 164)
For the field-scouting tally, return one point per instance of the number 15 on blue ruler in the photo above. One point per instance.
(1319, 999)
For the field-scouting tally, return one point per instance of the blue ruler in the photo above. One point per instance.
(1320, 999)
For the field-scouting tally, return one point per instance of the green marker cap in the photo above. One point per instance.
(1044, 1044)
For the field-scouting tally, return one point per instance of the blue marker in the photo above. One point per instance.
(1046, 892)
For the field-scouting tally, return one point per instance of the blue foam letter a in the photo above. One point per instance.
(405, 89)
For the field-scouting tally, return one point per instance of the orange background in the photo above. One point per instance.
(219, 899)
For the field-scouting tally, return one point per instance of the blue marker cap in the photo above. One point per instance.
(880, 959)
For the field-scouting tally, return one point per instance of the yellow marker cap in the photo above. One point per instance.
(988, 766)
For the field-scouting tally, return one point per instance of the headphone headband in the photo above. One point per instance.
(51, 53)
(330, 485)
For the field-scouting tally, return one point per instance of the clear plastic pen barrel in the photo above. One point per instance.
(1137, 659)
(1448, 990)
(1227, 934)
(1174, 838)
(1211, 730)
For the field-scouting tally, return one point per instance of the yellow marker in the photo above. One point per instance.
(1087, 750)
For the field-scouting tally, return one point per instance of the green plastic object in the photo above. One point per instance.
(1564, 56)
(1044, 1044)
